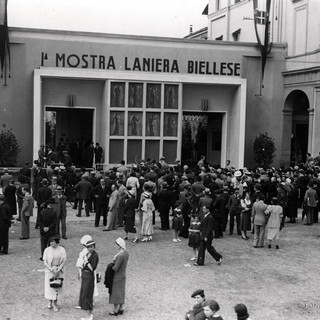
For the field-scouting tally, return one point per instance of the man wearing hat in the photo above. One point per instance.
(5, 178)
(44, 193)
(164, 203)
(5, 224)
(196, 313)
(102, 194)
(94, 182)
(61, 210)
(83, 189)
(47, 224)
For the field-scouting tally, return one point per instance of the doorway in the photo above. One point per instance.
(72, 127)
(298, 102)
(201, 135)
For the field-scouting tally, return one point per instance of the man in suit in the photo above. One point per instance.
(102, 194)
(61, 211)
(47, 224)
(5, 178)
(206, 237)
(10, 195)
(26, 213)
(259, 221)
(5, 224)
(83, 189)
(44, 193)
(164, 202)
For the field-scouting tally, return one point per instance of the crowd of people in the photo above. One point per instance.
(204, 203)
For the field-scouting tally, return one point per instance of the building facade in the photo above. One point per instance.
(134, 95)
(294, 22)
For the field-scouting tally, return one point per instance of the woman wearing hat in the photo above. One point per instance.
(54, 259)
(147, 210)
(117, 296)
(90, 263)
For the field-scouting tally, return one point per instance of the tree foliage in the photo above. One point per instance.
(9, 148)
(264, 149)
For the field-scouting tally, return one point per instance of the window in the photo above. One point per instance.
(236, 35)
(261, 17)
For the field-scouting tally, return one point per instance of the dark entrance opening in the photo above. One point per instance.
(299, 103)
(72, 127)
(201, 135)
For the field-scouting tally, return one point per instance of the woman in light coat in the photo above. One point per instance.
(54, 259)
(117, 296)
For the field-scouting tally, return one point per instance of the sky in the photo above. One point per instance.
(164, 18)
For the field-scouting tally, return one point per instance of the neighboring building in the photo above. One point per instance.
(296, 23)
(134, 94)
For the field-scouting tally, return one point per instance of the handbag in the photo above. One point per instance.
(56, 282)
(98, 277)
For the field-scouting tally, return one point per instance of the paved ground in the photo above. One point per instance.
(274, 284)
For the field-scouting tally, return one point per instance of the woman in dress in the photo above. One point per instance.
(129, 213)
(275, 213)
(147, 209)
(117, 296)
(194, 236)
(90, 263)
(54, 258)
(245, 218)
(133, 181)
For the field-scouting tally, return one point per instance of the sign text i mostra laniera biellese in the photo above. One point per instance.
(145, 64)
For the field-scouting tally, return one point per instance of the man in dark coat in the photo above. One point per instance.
(44, 193)
(206, 237)
(164, 203)
(5, 224)
(47, 224)
(218, 212)
(83, 189)
(94, 182)
(61, 211)
(10, 195)
(196, 313)
(102, 194)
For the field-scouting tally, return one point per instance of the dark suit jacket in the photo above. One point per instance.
(103, 195)
(206, 227)
(43, 194)
(60, 210)
(83, 189)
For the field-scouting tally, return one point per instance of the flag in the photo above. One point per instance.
(261, 10)
(4, 41)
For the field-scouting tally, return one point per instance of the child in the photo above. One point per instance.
(210, 309)
(177, 222)
(274, 211)
(194, 236)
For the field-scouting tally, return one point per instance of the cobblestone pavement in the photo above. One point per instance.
(274, 284)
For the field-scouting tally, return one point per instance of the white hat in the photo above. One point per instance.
(238, 173)
(121, 243)
(85, 239)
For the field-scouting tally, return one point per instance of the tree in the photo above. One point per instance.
(9, 148)
(264, 149)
